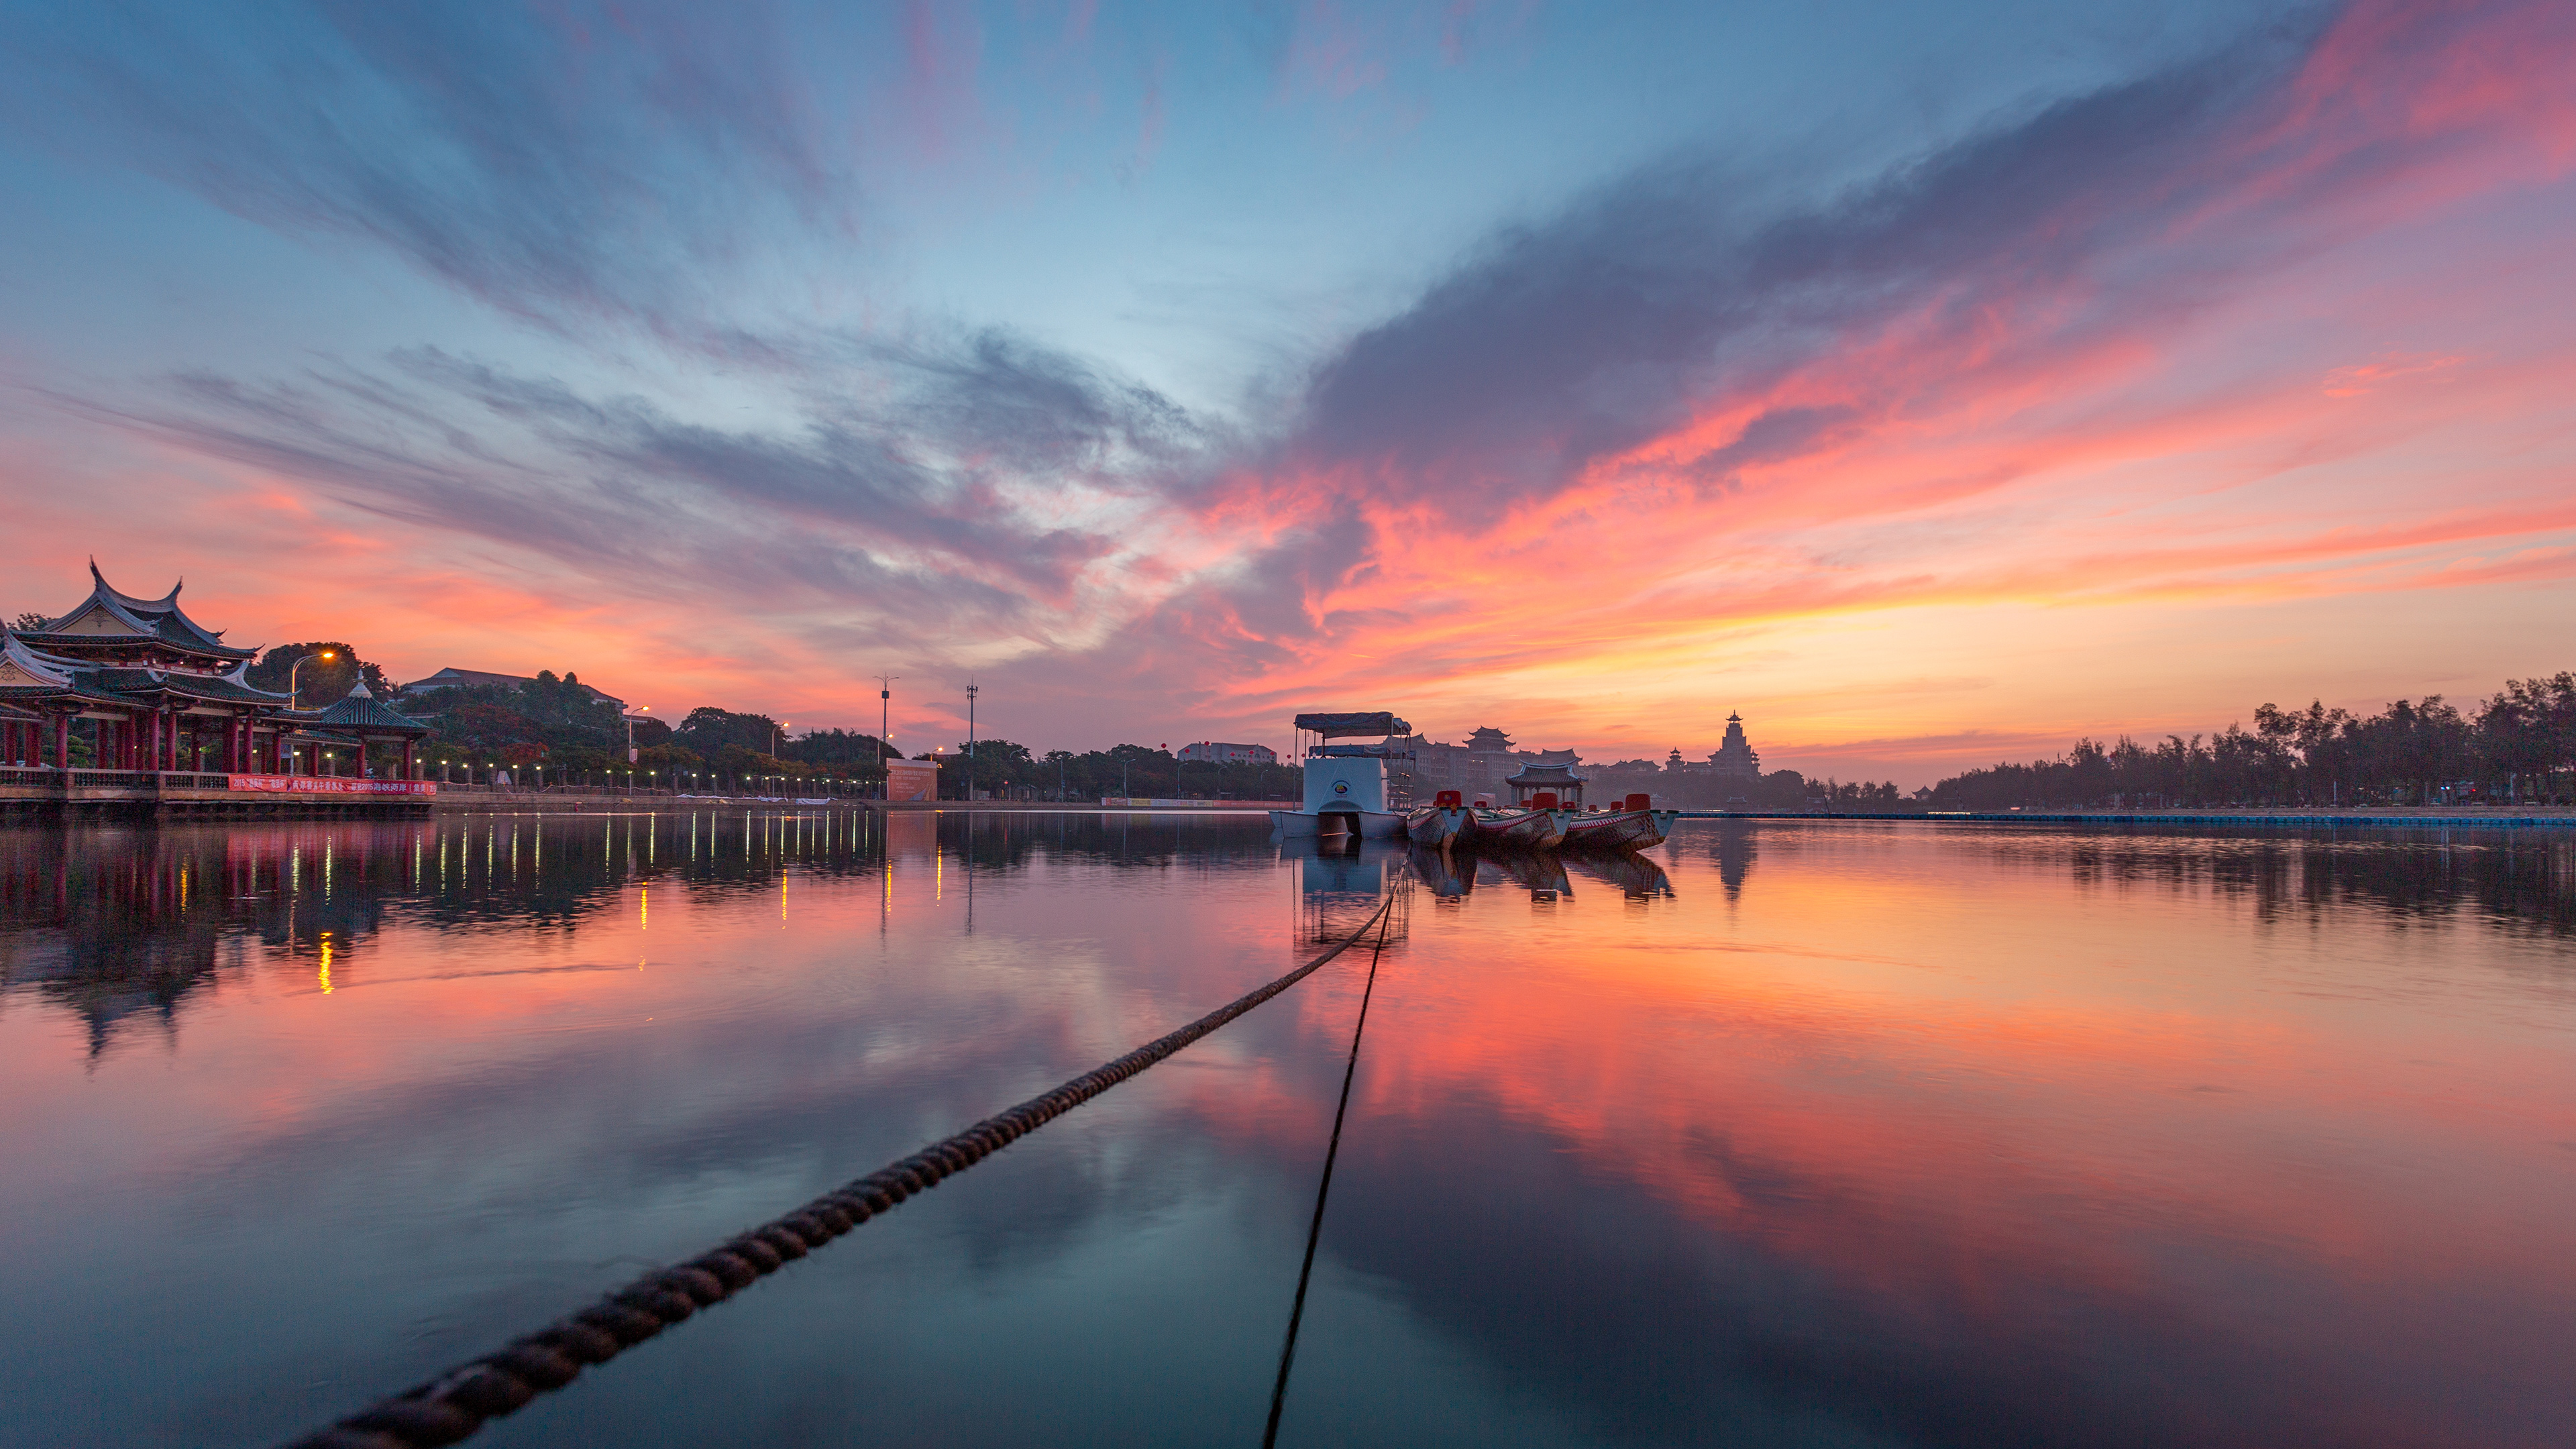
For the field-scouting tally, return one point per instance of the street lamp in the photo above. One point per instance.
(971, 688)
(885, 694)
(293, 669)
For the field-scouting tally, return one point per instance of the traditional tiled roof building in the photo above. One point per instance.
(1735, 761)
(166, 693)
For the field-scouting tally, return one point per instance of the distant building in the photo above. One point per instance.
(1210, 753)
(1480, 766)
(1735, 764)
(454, 678)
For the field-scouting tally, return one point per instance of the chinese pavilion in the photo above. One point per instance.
(166, 693)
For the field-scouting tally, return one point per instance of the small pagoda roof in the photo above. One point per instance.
(1544, 775)
(359, 711)
(1373, 722)
(110, 616)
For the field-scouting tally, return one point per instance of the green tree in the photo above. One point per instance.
(322, 683)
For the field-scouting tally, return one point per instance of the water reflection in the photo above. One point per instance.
(1918, 1135)
(122, 924)
(1340, 881)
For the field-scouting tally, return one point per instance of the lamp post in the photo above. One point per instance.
(630, 730)
(885, 709)
(971, 688)
(293, 670)
(296, 668)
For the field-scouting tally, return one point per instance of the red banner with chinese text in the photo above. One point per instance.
(328, 785)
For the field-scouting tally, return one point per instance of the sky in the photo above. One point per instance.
(1927, 384)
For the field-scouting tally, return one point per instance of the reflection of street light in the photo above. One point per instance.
(297, 666)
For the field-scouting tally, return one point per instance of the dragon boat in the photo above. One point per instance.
(1632, 824)
(1449, 821)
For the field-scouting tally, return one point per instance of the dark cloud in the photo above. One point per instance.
(917, 487)
(1602, 328)
(577, 161)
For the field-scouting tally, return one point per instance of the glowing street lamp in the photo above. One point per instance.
(296, 668)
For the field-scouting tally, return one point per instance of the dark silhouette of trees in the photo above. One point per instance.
(2518, 746)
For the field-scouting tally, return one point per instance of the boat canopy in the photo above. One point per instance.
(1333, 726)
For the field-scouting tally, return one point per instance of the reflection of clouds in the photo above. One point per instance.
(1780, 1186)
(1664, 1181)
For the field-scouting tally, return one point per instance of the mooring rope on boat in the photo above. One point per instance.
(1323, 1189)
(458, 1402)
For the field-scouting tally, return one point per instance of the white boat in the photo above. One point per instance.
(1346, 784)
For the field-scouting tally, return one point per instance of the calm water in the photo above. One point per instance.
(1805, 1134)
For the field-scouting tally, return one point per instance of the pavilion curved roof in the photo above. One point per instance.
(23, 664)
(1544, 775)
(158, 619)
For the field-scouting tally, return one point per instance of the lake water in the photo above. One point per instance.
(1800, 1133)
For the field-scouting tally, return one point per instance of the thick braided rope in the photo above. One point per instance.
(456, 1403)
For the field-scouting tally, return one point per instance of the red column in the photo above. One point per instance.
(406, 774)
(62, 742)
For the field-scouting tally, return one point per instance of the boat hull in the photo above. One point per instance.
(1618, 830)
(1513, 829)
(1367, 824)
(1433, 825)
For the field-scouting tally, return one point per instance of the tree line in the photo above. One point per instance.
(572, 734)
(2516, 746)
